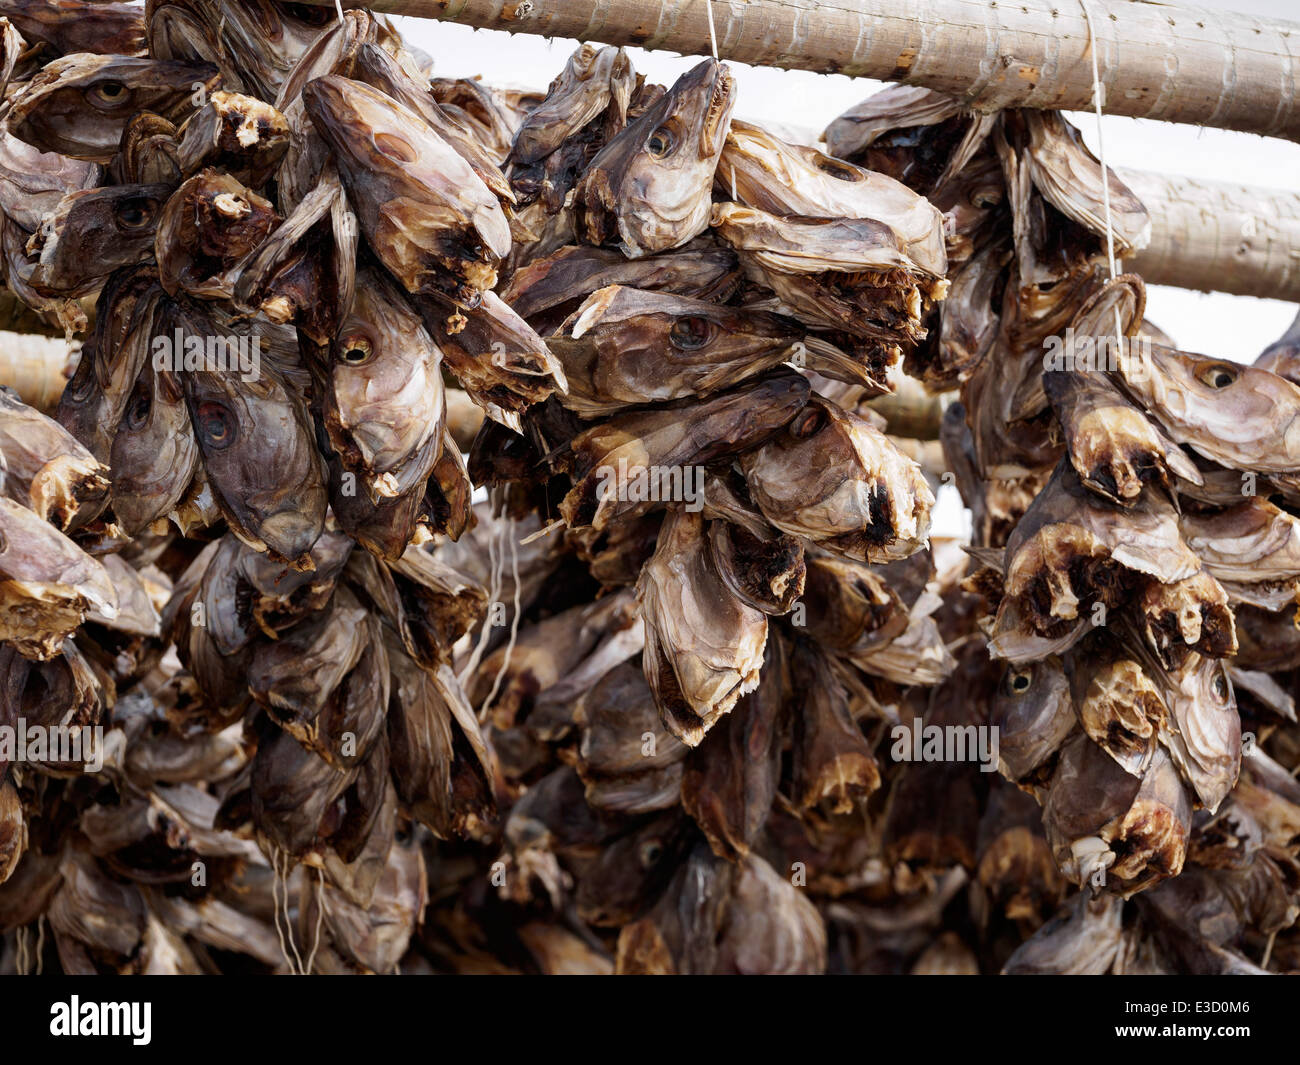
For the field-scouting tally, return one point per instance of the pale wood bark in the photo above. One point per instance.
(1164, 61)
(1218, 238)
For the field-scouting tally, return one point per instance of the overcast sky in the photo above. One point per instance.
(1234, 327)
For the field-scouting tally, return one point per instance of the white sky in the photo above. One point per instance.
(1233, 327)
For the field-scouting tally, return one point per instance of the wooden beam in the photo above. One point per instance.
(1164, 61)
(1218, 238)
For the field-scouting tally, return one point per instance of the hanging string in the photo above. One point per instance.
(713, 37)
(338, 6)
(1097, 94)
(40, 944)
(320, 919)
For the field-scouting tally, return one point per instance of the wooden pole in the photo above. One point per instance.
(1164, 61)
(1218, 238)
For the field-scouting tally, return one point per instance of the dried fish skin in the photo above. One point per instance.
(704, 646)
(648, 188)
(13, 830)
(92, 233)
(46, 468)
(1071, 547)
(1216, 407)
(79, 105)
(766, 173)
(1203, 731)
(234, 134)
(1112, 446)
(659, 443)
(95, 910)
(767, 574)
(208, 226)
(626, 347)
(32, 182)
(1088, 790)
(1082, 939)
(851, 608)
(383, 404)
(154, 453)
(1119, 707)
(257, 448)
(833, 765)
(293, 789)
(546, 289)
(1151, 839)
(427, 215)
(1034, 715)
(255, 43)
(729, 782)
(591, 80)
(381, 70)
(614, 719)
(47, 583)
(497, 357)
(918, 136)
(1070, 178)
(835, 479)
(95, 400)
(492, 115)
(67, 26)
(1252, 543)
(1188, 615)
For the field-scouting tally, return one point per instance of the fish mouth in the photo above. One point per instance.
(720, 100)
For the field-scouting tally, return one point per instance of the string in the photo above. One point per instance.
(338, 6)
(713, 37)
(320, 918)
(1101, 158)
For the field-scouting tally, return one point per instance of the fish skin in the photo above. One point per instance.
(646, 202)
(79, 105)
(427, 215)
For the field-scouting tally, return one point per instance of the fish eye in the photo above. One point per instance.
(81, 385)
(133, 214)
(138, 412)
(650, 853)
(661, 143)
(1017, 681)
(395, 147)
(355, 351)
(836, 169)
(216, 426)
(108, 95)
(1217, 376)
(1220, 686)
(690, 333)
(807, 423)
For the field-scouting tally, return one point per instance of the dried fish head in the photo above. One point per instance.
(154, 453)
(703, 645)
(92, 233)
(427, 215)
(46, 468)
(80, 104)
(384, 407)
(835, 479)
(648, 189)
(639, 460)
(209, 225)
(627, 347)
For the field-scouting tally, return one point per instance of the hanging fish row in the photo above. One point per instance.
(355, 724)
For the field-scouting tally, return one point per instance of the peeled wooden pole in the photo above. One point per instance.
(1221, 238)
(1165, 61)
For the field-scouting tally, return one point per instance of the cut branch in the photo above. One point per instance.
(1218, 238)
(1162, 61)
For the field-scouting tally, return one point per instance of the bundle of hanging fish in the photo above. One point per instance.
(1135, 533)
